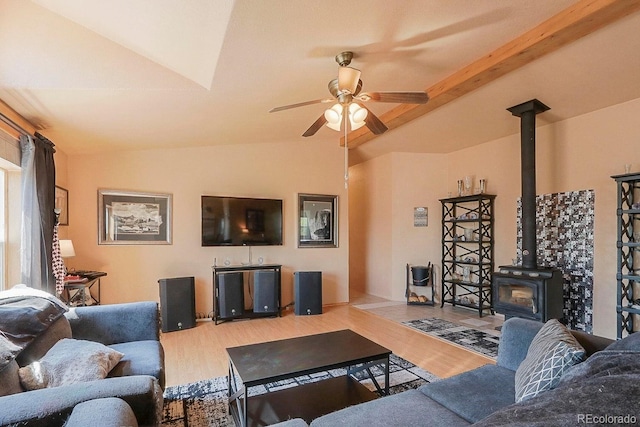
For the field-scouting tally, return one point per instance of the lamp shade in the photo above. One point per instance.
(66, 249)
(357, 116)
(348, 79)
(334, 117)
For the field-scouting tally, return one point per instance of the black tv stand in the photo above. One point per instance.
(220, 314)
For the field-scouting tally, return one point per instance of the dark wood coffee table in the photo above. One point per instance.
(258, 364)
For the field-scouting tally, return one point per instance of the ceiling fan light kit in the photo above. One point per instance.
(356, 114)
(346, 90)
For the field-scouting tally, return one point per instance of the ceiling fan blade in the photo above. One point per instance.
(397, 97)
(374, 124)
(301, 104)
(315, 126)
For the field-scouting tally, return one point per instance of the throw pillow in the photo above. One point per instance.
(552, 351)
(69, 361)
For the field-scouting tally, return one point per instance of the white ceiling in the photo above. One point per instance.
(143, 74)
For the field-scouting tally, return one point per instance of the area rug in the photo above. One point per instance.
(204, 403)
(472, 339)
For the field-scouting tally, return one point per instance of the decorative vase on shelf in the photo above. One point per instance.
(468, 181)
(468, 234)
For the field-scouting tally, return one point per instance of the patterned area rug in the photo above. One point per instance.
(204, 403)
(472, 339)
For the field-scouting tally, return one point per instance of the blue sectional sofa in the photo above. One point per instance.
(606, 384)
(133, 386)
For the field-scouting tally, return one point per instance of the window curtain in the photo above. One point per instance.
(38, 215)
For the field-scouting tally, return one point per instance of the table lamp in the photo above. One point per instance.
(66, 250)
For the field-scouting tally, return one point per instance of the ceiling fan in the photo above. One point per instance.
(348, 98)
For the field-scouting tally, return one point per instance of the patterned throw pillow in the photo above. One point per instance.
(552, 351)
(69, 361)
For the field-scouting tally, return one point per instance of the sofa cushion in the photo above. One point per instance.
(140, 358)
(474, 394)
(42, 344)
(553, 350)
(409, 408)
(10, 380)
(69, 361)
(51, 406)
(116, 323)
(515, 339)
(113, 412)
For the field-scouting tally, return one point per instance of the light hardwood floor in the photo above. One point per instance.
(199, 353)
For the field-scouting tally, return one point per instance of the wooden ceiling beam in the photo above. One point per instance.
(582, 18)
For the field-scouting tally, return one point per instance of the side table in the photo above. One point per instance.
(78, 290)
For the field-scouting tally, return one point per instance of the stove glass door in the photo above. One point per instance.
(518, 295)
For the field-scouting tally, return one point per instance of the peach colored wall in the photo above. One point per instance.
(577, 154)
(255, 170)
(384, 239)
(370, 230)
(417, 182)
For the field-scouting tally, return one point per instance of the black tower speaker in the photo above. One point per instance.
(265, 299)
(231, 294)
(177, 303)
(308, 292)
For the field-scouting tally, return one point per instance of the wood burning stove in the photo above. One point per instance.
(528, 291)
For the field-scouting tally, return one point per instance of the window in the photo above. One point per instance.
(10, 211)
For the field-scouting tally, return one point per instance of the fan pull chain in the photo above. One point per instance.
(346, 154)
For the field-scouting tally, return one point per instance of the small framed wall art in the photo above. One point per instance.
(134, 218)
(420, 216)
(62, 205)
(317, 221)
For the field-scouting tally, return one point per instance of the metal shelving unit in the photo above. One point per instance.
(628, 252)
(468, 251)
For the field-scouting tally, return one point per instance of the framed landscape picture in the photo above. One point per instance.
(134, 218)
(317, 221)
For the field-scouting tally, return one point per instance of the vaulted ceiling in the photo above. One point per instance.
(145, 74)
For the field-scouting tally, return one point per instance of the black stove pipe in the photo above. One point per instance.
(527, 112)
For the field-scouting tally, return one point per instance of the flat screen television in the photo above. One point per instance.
(241, 221)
